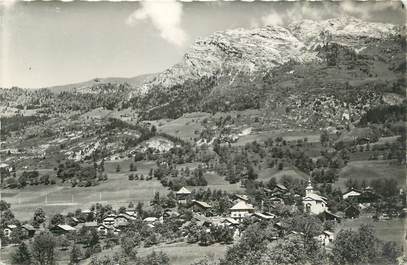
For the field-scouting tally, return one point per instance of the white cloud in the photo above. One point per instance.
(307, 10)
(7, 4)
(273, 18)
(165, 16)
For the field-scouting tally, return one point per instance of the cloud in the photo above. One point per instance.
(273, 18)
(325, 10)
(7, 4)
(165, 16)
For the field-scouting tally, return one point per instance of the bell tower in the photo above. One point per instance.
(309, 189)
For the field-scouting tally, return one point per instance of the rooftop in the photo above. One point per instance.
(242, 206)
(183, 190)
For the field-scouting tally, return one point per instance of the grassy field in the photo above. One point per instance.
(117, 191)
(388, 230)
(267, 173)
(372, 169)
(288, 135)
(178, 253)
(183, 127)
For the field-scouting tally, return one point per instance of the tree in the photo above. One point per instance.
(324, 138)
(289, 251)
(57, 219)
(390, 252)
(129, 242)
(39, 217)
(43, 247)
(4, 206)
(133, 167)
(156, 258)
(22, 255)
(354, 247)
(75, 255)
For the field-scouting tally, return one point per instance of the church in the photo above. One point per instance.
(313, 203)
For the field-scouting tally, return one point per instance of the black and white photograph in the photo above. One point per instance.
(164, 132)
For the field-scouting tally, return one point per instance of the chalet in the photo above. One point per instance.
(8, 230)
(103, 229)
(131, 213)
(352, 211)
(281, 188)
(90, 225)
(150, 220)
(62, 229)
(200, 219)
(123, 219)
(262, 216)
(276, 200)
(325, 238)
(352, 193)
(239, 198)
(241, 210)
(328, 215)
(109, 220)
(170, 213)
(29, 230)
(230, 222)
(182, 195)
(201, 207)
(313, 203)
(268, 192)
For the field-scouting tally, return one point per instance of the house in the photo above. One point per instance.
(29, 230)
(90, 224)
(241, 210)
(281, 188)
(325, 238)
(182, 195)
(62, 229)
(313, 203)
(170, 213)
(109, 220)
(123, 219)
(131, 213)
(103, 229)
(201, 207)
(328, 215)
(229, 222)
(276, 200)
(352, 211)
(263, 216)
(239, 198)
(352, 193)
(8, 230)
(200, 219)
(150, 220)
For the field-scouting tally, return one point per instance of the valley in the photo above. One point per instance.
(276, 139)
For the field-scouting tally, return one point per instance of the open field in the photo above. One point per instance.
(268, 173)
(372, 169)
(288, 135)
(117, 191)
(388, 230)
(178, 253)
(183, 127)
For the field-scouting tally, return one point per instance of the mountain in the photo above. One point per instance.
(256, 68)
(87, 85)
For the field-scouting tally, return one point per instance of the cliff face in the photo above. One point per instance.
(273, 65)
(256, 50)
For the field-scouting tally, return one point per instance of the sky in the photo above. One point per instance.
(54, 43)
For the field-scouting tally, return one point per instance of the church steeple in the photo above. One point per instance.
(309, 189)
